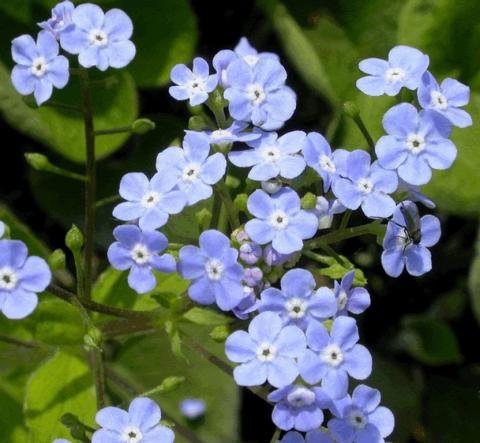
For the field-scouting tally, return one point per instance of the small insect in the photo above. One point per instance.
(411, 229)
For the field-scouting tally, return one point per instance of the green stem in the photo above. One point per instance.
(345, 219)
(113, 131)
(91, 174)
(323, 259)
(276, 435)
(98, 369)
(363, 129)
(63, 106)
(218, 112)
(227, 201)
(18, 342)
(107, 200)
(332, 253)
(217, 206)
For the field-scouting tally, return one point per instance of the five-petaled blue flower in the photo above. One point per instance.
(280, 220)
(259, 94)
(194, 169)
(149, 201)
(319, 156)
(405, 67)
(332, 357)
(21, 278)
(267, 352)
(359, 419)
(299, 407)
(272, 156)
(406, 241)
(39, 68)
(214, 270)
(192, 85)
(315, 436)
(100, 39)
(354, 300)
(60, 20)
(366, 185)
(140, 424)
(140, 251)
(445, 99)
(416, 144)
(298, 302)
(234, 133)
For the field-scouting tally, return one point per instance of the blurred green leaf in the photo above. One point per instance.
(62, 384)
(431, 341)
(165, 33)
(474, 280)
(20, 10)
(449, 306)
(202, 380)
(11, 420)
(115, 105)
(206, 317)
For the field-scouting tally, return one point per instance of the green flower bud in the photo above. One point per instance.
(240, 202)
(93, 338)
(57, 260)
(219, 333)
(309, 201)
(198, 123)
(351, 109)
(74, 239)
(37, 161)
(142, 126)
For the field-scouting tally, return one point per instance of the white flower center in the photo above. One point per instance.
(39, 67)
(196, 85)
(342, 300)
(279, 220)
(300, 397)
(365, 185)
(251, 60)
(131, 434)
(214, 269)
(191, 173)
(8, 278)
(98, 38)
(394, 75)
(256, 94)
(140, 254)
(266, 352)
(271, 154)
(332, 355)
(296, 307)
(416, 143)
(327, 165)
(150, 199)
(439, 101)
(221, 133)
(357, 419)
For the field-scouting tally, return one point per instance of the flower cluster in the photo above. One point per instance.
(22, 277)
(99, 39)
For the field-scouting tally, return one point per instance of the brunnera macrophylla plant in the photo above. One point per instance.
(256, 256)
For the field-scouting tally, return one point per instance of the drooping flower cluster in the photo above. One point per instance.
(99, 39)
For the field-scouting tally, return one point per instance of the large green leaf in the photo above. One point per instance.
(11, 420)
(62, 384)
(165, 33)
(115, 105)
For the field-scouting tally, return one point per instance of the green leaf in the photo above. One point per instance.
(206, 317)
(165, 33)
(457, 190)
(202, 380)
(336, 270)
(115, 104)
(429, 340)
(11, 420)
(62, 384)
(474, 280)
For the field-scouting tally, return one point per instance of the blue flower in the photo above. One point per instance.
(406, 241)
(214, 270)
(193, 408)
(366, 185)
(139, 424)
(298, 407)
(250, 252)
(193, 85)
(39, 68)
(274, 258)
(413, 193)
(140, 251)
(445, 99)
(280, 220)
(234, 133)
(298, 302)
(259, 94)
(405, 67)
(319, 156)
(195, 171)
(359, 419)
(100, 39)
(354, 300)
(416, 144)
(315, 436)
(325, 210)
(272, 156)
(267, 352)
(247, 305)
(253, 277)
(332, 357)
(149, 202)
(21, 278)
(61, 18)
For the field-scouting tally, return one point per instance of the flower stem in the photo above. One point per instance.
(18, 342)
(276, 436)
(230, 208)
(113, 131)
(363, 129)
(107, 200)
(90, 173)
